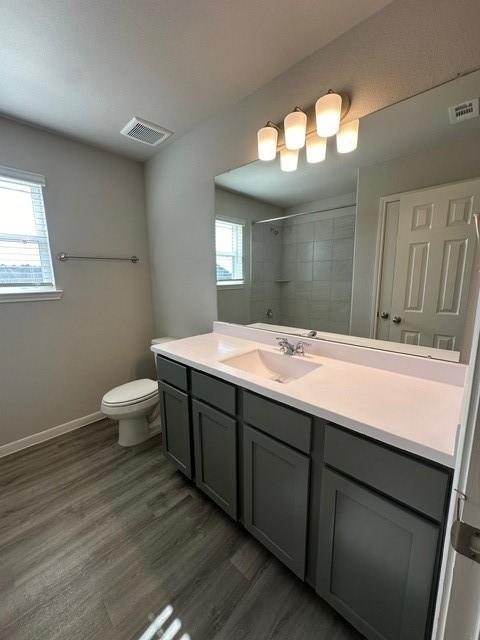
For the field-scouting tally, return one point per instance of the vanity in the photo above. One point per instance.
(356, 511)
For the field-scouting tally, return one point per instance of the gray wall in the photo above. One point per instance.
(457, 160)
(234, 304)
(58, 357)
(408, 47)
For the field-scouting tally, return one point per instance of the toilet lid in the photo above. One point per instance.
(132, 392)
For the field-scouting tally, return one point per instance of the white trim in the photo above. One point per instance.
(19, 175)
(48, 434)
(29, 294)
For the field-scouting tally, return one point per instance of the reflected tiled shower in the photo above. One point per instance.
(302, 272)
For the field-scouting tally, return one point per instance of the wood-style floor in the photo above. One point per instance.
(95, 538)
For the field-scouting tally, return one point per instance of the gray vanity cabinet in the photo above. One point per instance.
(275, 497)
(376, 560)
(175, 415)
(215, 446)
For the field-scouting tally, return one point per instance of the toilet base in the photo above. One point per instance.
(132, 431)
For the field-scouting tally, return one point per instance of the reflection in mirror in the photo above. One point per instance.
(379, 244)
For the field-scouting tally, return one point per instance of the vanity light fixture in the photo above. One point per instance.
(347, 137)
(328, 111)
(288, 159)
(316, 149)
(295, 127)
(267, 138)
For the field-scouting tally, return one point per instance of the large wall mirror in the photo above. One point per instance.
(378, 245)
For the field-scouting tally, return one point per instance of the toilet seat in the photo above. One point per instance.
(131, 393)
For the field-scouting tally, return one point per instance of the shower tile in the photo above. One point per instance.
(288, 270)
(305, 231)
(322, 270)
(341, 291)
(289, 253)
(321, 291)
(342, 270)
(257, 271)
(340, 312)
(289, 234)
(257, 232)
(268, 272)
(258, 252)
(343, 248)
(323, 229)
(344, 227)
(305, 252)
(304, 271)
(322, 250)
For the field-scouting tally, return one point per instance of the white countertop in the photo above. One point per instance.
(415, 414)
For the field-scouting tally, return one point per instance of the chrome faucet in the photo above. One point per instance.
(289, 349)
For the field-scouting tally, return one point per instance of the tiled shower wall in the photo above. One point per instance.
(266, 259)
(304, 273)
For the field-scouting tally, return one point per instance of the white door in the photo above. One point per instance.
(436, 244)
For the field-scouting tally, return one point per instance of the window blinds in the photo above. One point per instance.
(25, 259)
(229, 252)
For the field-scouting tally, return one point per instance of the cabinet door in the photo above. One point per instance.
(215, 438)
(174, 407)
(376, 561)
(276, 479)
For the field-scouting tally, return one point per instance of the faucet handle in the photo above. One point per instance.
(300, 348)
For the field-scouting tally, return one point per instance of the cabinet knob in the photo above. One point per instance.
(384, 315)
(396, 319)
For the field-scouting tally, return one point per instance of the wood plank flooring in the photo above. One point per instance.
(95, 538)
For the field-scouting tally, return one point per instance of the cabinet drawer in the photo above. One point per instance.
(285, 424)
(215, 392)
(172, 372)
(410, 481)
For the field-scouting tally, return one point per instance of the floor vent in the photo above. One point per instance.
(464, 111)
(146, 132)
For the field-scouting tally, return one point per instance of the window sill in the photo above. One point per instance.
(29, 294)
(230, 285)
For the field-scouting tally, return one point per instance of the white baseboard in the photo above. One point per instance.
(36, 438)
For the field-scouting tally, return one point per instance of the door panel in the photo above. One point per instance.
(376, 561)
(215, 436)
(435, 249)
(174, 408)
(276, 484)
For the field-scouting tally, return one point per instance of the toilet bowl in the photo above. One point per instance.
(135, 406)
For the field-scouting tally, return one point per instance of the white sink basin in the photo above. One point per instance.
(271, 366)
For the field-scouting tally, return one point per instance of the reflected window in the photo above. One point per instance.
(229, 238)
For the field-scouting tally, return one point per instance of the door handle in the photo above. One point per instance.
(396, 319)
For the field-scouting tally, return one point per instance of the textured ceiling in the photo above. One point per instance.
(85, 68)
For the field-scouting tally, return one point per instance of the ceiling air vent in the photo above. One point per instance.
(463, 111)
(145, 132)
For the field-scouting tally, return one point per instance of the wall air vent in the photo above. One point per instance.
(463, 111)
(146, 132)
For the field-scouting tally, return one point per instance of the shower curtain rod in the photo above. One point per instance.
(304, 213)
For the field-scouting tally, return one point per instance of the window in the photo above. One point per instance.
(229, 252)
(25, 260)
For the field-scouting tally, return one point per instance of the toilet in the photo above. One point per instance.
(135, 406)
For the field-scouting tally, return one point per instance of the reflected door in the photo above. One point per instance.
(436, 244)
